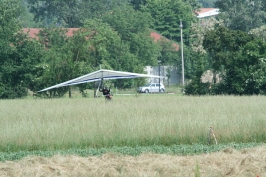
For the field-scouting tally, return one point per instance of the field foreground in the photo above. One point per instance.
(144, 120)
(227, 162)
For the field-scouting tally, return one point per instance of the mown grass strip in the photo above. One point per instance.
(133, 151)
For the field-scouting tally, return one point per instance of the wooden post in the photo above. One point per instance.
(69, 92)
(211, 134)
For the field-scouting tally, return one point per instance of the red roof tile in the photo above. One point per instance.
(157, 36)
(34, 31)
(203, 10)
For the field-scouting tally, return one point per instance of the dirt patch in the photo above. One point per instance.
(228, 162)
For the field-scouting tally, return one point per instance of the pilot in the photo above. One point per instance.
(105, 91)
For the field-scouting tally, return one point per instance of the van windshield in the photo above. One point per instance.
(146, 85)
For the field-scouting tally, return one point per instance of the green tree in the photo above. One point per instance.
(166, 16)
(196, 86)
(56, 60)
(195, 4)
(20, 71)
(70, 13)
(26, 17)
(169, 54)
(137, 3)
(20, 56)
(65, 12)
(70, 57)
(198, 31)
(137, 48)
(242, 15)
(207, 3)
(259, 32)
(240, 58)
(254, 53)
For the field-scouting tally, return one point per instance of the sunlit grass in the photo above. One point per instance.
(136, 120)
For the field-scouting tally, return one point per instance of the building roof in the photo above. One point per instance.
(156, 36)
(207, 12)
(34, 31)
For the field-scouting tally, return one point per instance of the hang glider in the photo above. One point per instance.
(99, 75)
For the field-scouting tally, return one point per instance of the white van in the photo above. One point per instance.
(151, 88)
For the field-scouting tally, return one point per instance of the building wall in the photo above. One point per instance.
(175, 75)
(207, 76)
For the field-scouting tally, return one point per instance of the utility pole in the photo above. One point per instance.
(182, 55)
(159, 64)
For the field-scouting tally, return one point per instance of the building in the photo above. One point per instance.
(33, 32)
(207, 12)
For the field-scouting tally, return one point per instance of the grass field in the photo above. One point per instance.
(143, 120)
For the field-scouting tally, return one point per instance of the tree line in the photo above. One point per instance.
(116, 35)
(232, 46)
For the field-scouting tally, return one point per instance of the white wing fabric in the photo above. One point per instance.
(99, 75)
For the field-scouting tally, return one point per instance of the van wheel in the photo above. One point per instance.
(162, 90)
(146, 91)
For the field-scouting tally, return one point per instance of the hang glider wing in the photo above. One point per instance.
(101, 74)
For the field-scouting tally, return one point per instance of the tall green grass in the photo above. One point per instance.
(143, 120)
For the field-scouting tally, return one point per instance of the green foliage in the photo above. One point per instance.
(9, 25)
(136, 49)
(20, 56)
(259, 32)
(10, 10)
(195, 4)
(126, 150)
(137, 3)
(70, 57)
(198, 52)
(22, 69)
(242, 14)
(122, 42)
(239, 57)
(197, 171)
(198, 30)
(207, 3)
(255, 53)
(70, 13)
(223, 43)
(196, 87)
(65, 12)
(27, 18)
(56, 60)
(166, 16)
(168, 53)
(101, 39)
